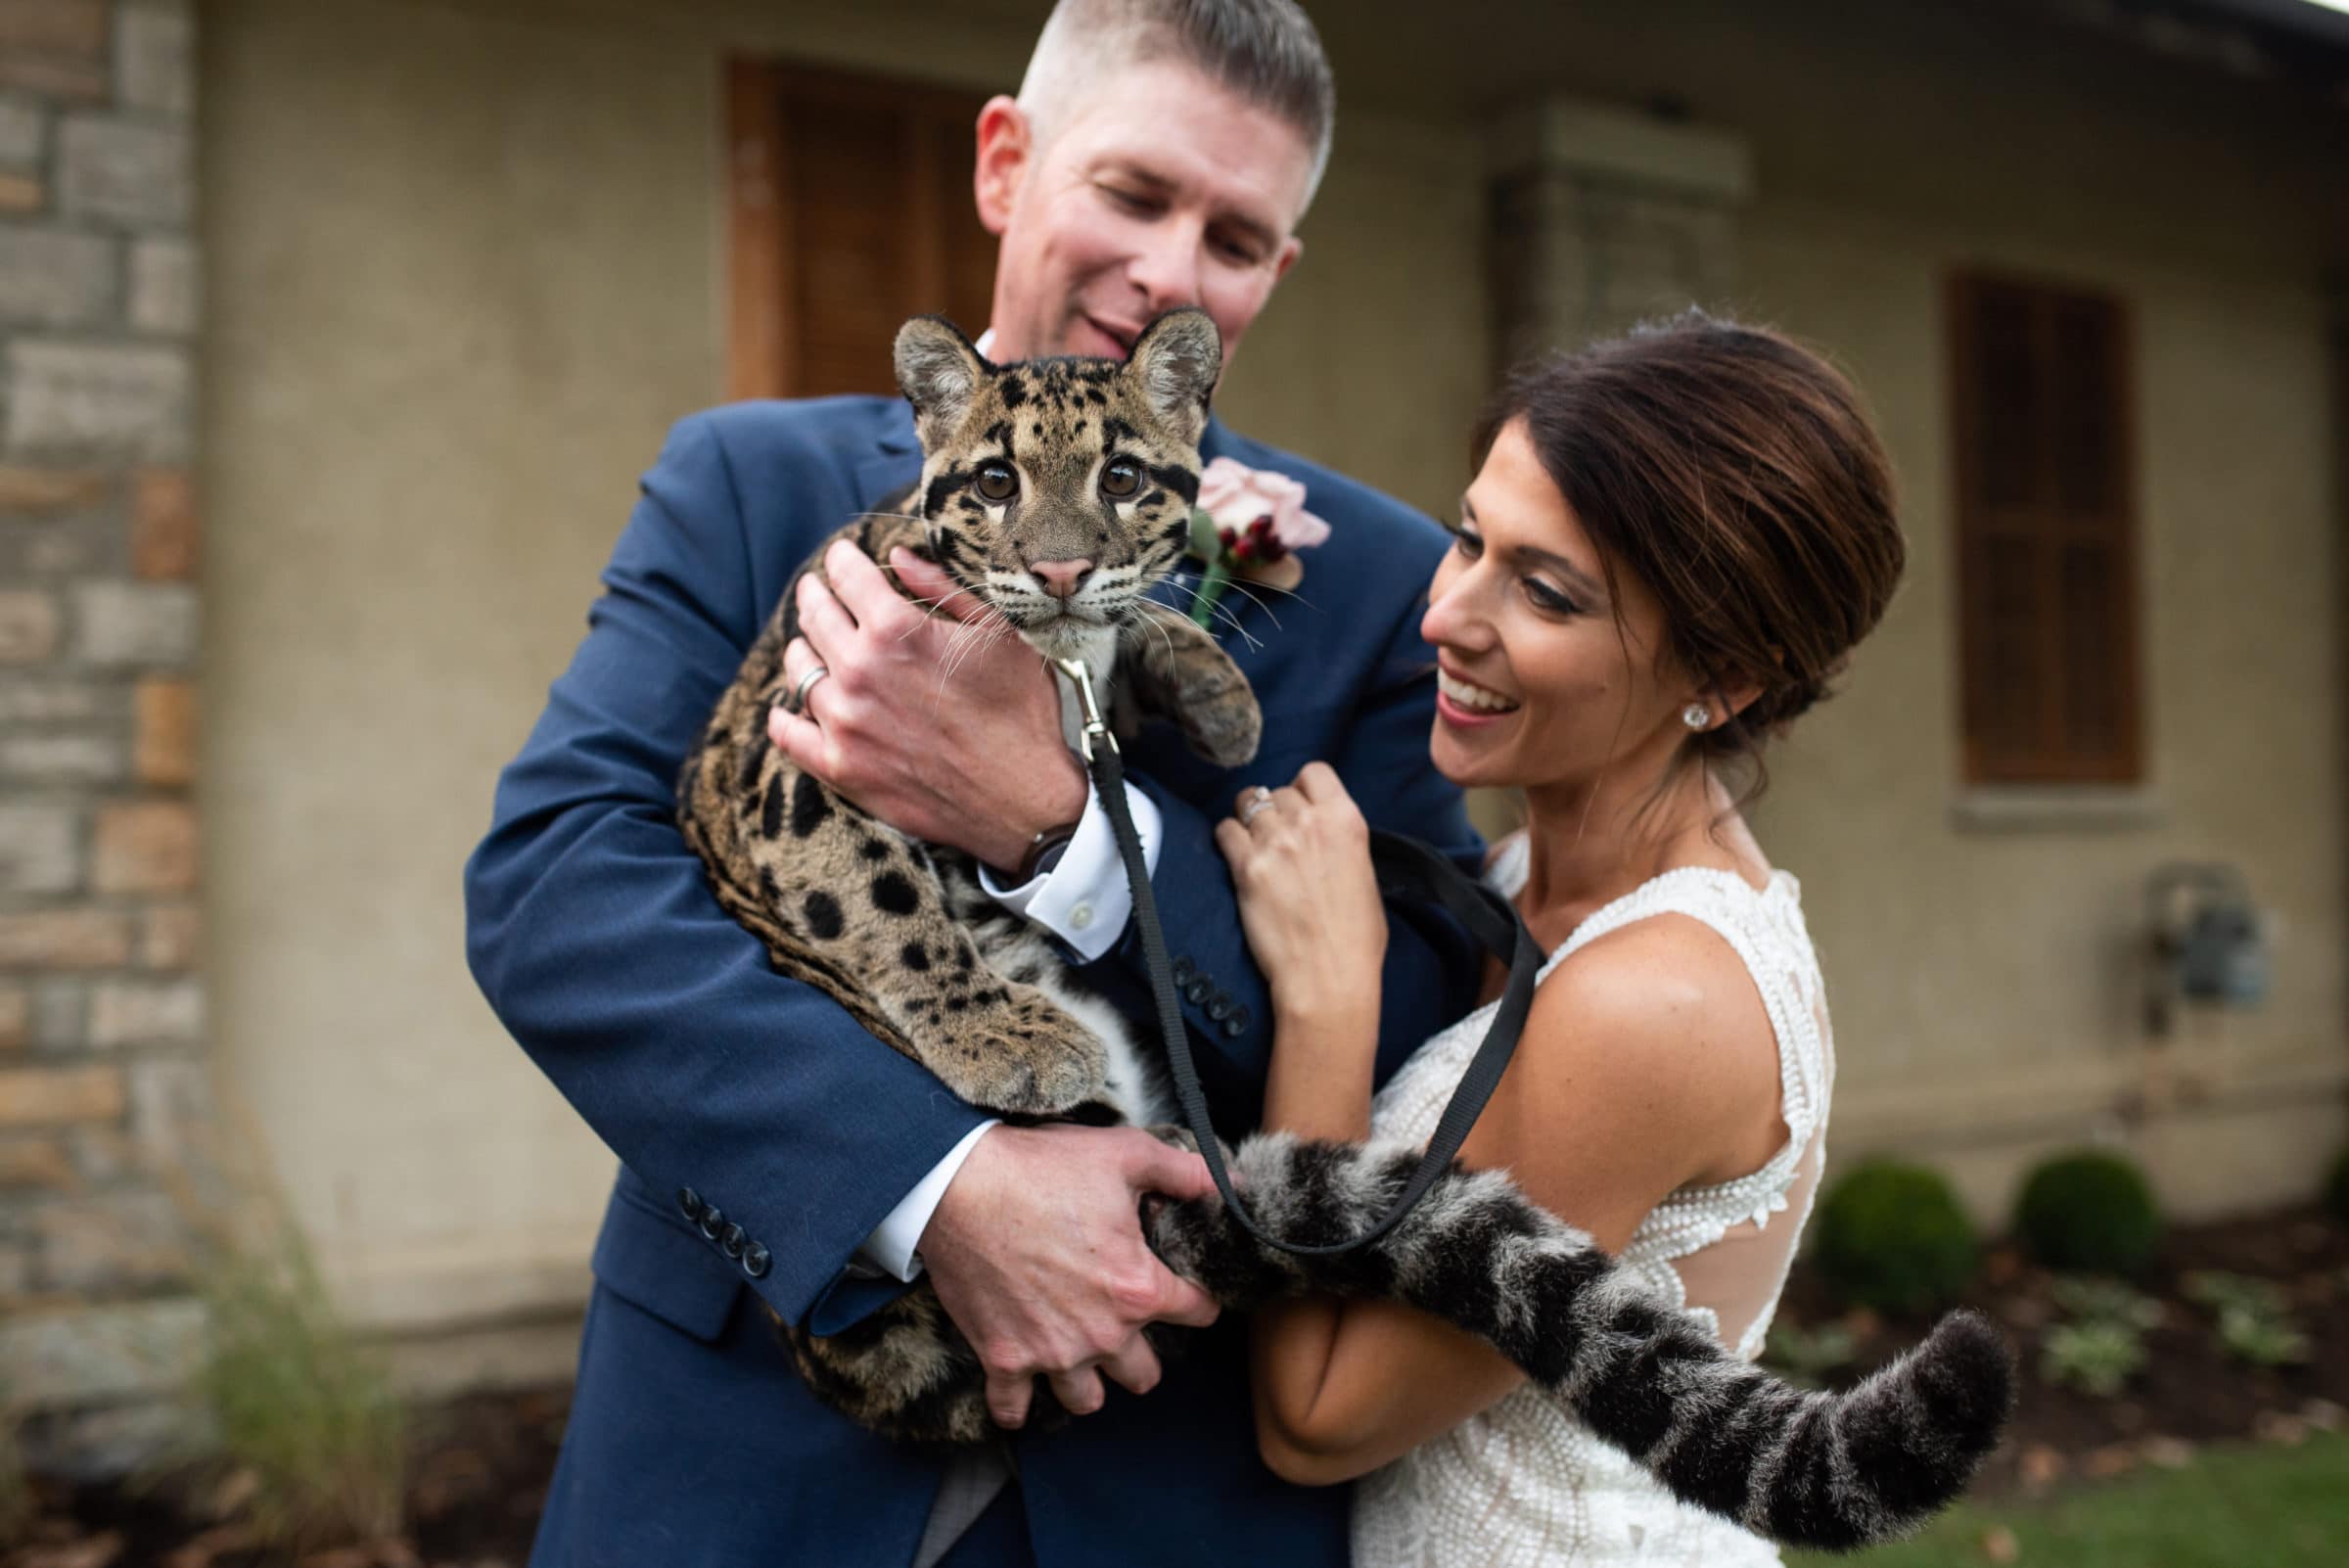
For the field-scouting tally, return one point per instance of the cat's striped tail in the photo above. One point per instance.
(1833, 1471)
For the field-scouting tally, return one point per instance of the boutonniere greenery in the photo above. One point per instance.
(1248, 525)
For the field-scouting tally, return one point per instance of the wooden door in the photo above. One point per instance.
(851, 209)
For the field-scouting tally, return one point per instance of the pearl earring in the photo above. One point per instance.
(1696, 715)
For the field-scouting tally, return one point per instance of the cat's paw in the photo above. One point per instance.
(1226, 727)
(1032, 1061)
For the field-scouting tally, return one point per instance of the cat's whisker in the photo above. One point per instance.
(1251, 589)
(1213, 609)
(968, 638)
(931, 609)
(1148, 624)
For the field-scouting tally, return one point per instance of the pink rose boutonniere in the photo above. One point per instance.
(1248, 523)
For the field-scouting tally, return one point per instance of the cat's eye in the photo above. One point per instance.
(1121, 478)
(996, 482)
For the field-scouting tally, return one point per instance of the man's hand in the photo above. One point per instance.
(1038, 1254)
(946, 725)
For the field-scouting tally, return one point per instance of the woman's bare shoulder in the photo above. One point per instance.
(1660, 1014)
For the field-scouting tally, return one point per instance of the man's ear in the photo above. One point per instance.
(940, 372)
(1177, 358)
(1292, 251)
(1006, 141)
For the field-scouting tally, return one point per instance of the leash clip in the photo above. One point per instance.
(1094, 731)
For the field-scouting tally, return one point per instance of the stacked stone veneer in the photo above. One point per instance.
(102, 1008)
(1601, 218)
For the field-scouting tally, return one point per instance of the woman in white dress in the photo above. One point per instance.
(1673, 541)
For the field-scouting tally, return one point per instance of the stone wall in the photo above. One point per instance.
(102, 1001)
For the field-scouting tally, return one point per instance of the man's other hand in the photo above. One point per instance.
(944, 725)
(1038, 1254)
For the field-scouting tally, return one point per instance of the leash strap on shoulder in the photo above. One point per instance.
(1406, 868)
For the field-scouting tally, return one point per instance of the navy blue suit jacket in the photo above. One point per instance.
(592, 933)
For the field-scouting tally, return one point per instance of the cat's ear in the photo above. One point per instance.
(1177, 359)
(940, 372)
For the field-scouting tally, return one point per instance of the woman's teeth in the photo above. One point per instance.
(1472, 697)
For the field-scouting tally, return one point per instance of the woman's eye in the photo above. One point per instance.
(1467, 543)
(1120, 479)
(997, 483)
(1545, 597)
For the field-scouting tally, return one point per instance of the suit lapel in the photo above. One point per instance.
(894, 466)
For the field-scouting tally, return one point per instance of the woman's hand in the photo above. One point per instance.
(1309, 902)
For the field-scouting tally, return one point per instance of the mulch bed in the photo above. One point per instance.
(2189, 1393)
(477, 1480)
(481, 1464)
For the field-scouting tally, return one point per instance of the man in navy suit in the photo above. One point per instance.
(1159, 153)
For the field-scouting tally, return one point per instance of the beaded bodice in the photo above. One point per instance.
(1522, 1482)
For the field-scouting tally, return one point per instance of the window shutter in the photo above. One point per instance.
(851, 210)
(2046, 534)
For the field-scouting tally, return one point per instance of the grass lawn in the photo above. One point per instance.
(2264, 1507)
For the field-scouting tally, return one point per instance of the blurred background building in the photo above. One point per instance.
(399, 295)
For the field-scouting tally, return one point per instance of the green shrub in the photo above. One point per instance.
(2095, 1299)
(1893, 1237)
(1805, 1356)
(2336, 1189)
(2098, 1357)
(2256, 1324)
(299, 1406)
(2091, 1212)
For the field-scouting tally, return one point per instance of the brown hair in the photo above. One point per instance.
(1736, 474)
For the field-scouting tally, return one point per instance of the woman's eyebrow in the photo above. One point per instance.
(1589, 584)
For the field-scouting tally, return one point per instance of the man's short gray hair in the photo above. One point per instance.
(1266, 51)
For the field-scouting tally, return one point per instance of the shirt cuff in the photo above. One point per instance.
(890, 1249)
(1085, 899)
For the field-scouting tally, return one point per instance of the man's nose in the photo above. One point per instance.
(1167, 270)
(1061, 578)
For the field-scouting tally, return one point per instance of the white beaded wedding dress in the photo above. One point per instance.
(1521, 1483)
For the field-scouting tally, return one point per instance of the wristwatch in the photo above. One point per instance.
(1044, 853)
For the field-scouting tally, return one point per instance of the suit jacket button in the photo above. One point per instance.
(1196, 991)
(757, 1260)
(1220, 1008)
(690, 1202)
(1183, 970)
(731, 1242)
(714, 1221)
(1237, 1024)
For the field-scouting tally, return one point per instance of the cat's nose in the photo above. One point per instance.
(1061, 578)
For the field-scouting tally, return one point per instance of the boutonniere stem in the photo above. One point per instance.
(1248, 523)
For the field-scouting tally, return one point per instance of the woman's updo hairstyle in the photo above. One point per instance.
(1734, 473)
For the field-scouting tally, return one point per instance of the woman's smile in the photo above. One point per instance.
(1463, 701)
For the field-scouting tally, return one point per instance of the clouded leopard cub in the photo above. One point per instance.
(1038, 464)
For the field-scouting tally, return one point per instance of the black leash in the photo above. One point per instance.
(1406, 868)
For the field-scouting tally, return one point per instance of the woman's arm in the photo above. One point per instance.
(1641, 1070)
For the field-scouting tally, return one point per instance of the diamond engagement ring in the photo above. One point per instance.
(798, 693)
(1255, 803)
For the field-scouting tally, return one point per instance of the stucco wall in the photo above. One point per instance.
(468, 270)
(465, 265)
(1987, 981)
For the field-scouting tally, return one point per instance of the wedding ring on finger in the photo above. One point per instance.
(798, 693)
(1256, 800)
